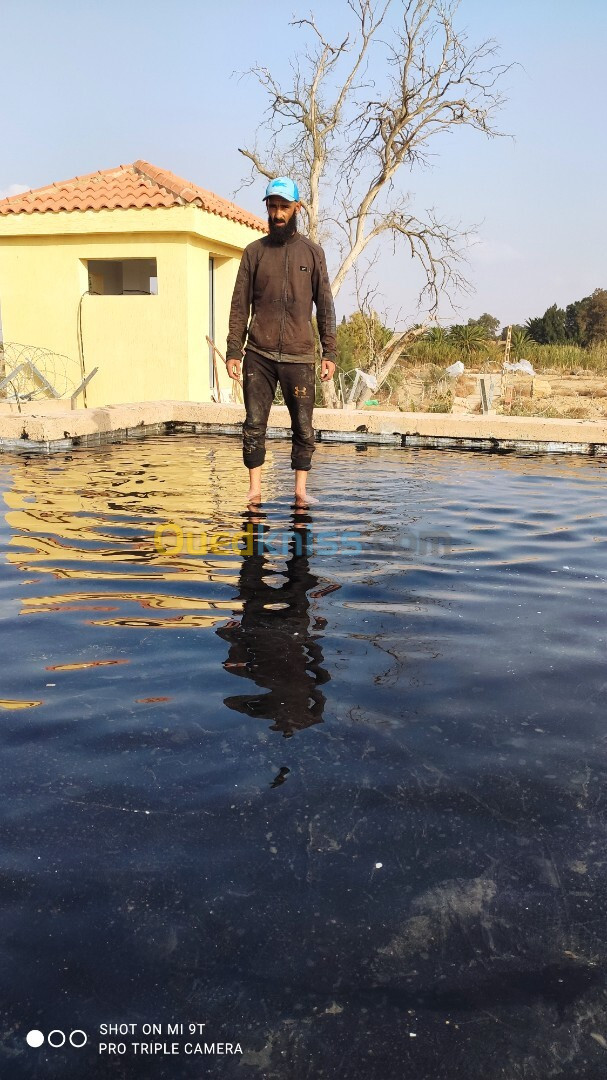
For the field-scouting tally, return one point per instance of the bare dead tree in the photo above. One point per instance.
(302, 123)
(366, 306)
(360, 111)
(329, 125)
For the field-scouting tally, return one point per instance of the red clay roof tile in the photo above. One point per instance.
(124, 188)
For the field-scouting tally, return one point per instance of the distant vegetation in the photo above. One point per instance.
(582, 323)
(571, 339)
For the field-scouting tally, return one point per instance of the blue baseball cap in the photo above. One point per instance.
(284, 187)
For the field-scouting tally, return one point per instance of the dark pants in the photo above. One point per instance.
(261, 376)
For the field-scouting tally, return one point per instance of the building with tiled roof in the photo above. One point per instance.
(125, 270)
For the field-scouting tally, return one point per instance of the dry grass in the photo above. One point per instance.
(590, 392)
(528, 407)
(559, 394)
(440, 403)
(570, 359)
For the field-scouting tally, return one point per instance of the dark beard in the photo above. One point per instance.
(283, 233)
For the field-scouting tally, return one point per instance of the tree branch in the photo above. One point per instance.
(349, 141)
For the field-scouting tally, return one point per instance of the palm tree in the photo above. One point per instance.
(469, 339)
(519, 343)
(436, 335)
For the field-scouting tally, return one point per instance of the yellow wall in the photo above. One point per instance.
(146, 347)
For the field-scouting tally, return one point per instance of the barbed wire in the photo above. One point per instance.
(34, 369)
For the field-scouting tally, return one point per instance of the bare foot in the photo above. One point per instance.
(303, 499)
(254, 497)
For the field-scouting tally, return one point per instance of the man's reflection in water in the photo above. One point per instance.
(275, 644)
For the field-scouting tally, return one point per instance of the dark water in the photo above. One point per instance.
(347, 808)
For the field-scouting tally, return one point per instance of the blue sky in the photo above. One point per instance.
(95, 85)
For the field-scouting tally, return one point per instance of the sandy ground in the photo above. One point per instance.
(577, 397)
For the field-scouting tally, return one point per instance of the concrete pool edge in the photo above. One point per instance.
(35, 430)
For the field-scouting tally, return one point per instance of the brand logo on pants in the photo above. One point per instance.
(301, 391)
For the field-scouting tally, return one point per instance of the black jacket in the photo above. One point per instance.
(277, 285)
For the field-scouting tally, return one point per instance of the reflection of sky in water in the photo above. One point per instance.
(346, 805)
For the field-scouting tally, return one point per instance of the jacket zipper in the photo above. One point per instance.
(285, 293)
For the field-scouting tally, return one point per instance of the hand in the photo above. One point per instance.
(233, 369)
(327, 370)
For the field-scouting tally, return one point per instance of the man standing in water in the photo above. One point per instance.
(280, 277)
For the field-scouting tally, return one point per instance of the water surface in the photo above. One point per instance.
(340, 798)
